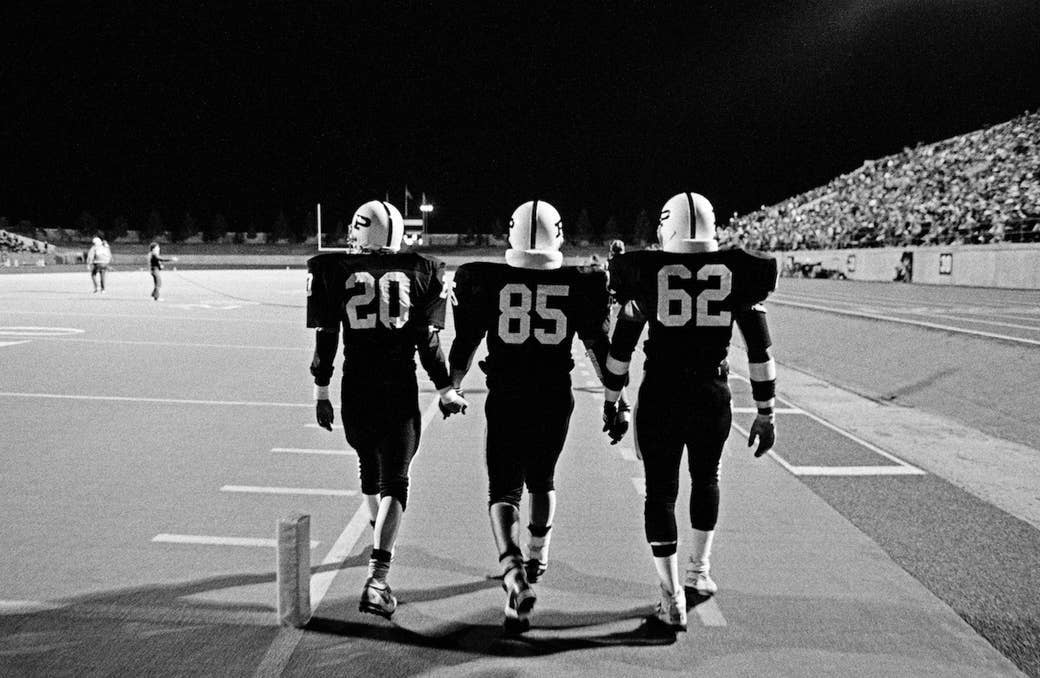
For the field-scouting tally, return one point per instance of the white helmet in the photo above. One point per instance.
(377, 225)
(687, 224)
(535, 236)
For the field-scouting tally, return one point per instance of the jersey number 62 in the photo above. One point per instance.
(675, 305)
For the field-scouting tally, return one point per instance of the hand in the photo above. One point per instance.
(324, 413)
(451, 402)
(763, 428)
(616, 419)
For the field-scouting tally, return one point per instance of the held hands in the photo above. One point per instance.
(324, 413)
(451, 402)
(763, 428)
(616, 419)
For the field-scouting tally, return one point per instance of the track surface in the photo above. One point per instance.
(879, 539)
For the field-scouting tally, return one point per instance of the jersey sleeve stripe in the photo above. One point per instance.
(762, 371)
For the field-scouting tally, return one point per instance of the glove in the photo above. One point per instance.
(763, 428)
(452, 402)
(324, 413)
(616, 418)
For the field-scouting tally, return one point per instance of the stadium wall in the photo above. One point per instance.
(1006, 265)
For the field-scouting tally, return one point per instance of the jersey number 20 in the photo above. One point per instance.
(675, 306)
(521, 312)
(360, 320)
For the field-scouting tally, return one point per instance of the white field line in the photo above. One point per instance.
(187, 345)
(139, 316)
(315, 425)
(304, 450)
(710, 613)
(205, 540)
(997, 323)
(776, 410)
(628, 454)
(903, 469)
(905, 321)
(281, 650)
(640, 484)
(12, 343)
(315, 491)
(15, 607)
(170, 401)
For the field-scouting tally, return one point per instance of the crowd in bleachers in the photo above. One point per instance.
(12, 243)
(981, 187)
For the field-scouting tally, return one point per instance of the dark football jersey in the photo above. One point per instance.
(689, 299)
(382, 303)
(530, 315)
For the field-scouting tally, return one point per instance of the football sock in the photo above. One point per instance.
(700, 554)
(538, 546)
(379, 565)
(667, 567)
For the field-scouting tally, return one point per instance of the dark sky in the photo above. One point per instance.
(199, 106)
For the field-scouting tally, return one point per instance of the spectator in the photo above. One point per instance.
(98, 259)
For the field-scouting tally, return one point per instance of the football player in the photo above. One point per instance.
(389, 305)
(691, 293)
(530, 308)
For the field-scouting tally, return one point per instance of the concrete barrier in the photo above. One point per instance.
(1006, 265)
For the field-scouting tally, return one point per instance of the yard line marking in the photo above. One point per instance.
(776, 410)
(904, 321)
(182, 344)
(903, 468)
(13, 607)
(171, 401)
(316, 425)
(710, 613)
(303, 450)
(139, 316)
(12, 343)
(204, 540)
(289, 490)
(628, 454)
(281, 650)
(640, 485)
(854, 471)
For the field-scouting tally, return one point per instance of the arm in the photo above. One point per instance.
(326, 342)
(627, 329)
(762, 372)
(469, 330)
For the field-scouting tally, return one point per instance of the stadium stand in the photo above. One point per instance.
(980, 187)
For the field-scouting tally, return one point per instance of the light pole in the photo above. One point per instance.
(425, 208)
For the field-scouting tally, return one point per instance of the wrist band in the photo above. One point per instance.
(321, 393)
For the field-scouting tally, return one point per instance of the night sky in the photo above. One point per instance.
(247, 112)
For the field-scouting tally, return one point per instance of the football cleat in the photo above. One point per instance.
(377, 225)
(520, 600)
(687, 218)
(671, 609)
(701, 582)
(535, 569)
(376, 598)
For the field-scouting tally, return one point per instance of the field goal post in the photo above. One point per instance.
(322, 247)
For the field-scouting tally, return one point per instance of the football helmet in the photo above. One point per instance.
(687, 224)
(377, 225)
(535, 236)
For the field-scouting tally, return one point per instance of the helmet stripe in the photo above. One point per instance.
(693, 216)
(389, 225)
(534, 224)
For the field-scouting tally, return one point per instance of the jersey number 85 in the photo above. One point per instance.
(519, 331)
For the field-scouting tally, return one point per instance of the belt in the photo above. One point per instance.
(682, 372)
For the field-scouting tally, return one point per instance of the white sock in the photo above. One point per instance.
(668, 572)
(538, 547)
(700, 552)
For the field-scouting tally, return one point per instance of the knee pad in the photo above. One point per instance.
(659, 521)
